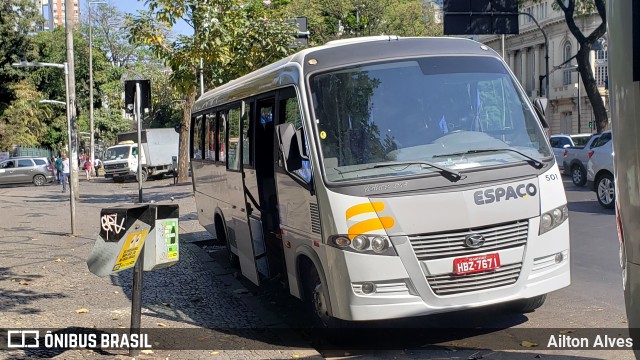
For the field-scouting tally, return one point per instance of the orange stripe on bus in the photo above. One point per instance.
(364, 208)
(366, 226)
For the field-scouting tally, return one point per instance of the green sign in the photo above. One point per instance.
(590, 124)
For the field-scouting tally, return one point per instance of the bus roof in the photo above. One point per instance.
(350, 51)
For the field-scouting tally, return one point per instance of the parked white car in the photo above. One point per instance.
(561, 142)
(600, 175)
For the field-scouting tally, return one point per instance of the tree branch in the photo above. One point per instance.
(571, 23)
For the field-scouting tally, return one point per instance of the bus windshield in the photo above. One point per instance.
(457, 112)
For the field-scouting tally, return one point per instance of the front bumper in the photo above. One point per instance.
(403, 289)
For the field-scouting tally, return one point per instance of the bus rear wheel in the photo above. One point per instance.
(528, 305)
(221, 235)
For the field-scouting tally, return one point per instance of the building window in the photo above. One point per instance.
(601, 75)
(601, 55)
(566, 55)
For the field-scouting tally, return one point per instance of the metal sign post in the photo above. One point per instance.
(139, 120)
(136, 299)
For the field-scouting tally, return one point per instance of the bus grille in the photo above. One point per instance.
(315, 218)
(451, 244)
(451, 284)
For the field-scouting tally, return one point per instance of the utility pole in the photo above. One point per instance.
(73, 158)
(92, 154)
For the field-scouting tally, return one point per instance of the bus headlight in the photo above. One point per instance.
(360, 243)
(552, 219)
(363, 244)
(379, 244)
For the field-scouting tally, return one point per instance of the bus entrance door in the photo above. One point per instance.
(262, 195)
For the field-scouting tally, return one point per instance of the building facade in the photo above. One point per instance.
(53, 11)
(569, 110)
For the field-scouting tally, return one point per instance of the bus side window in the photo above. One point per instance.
(247, 157)
(222, 134)
(211, 129)
(234, 139)
(290, 113)
(196, 138)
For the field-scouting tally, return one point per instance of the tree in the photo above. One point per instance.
(19, 123)
(110, 35)
(332, 19)
(573, 9)
(220, 28)
(17, 19)
(582, 57)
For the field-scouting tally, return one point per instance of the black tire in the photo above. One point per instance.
(578, 175)
(528, 305)
(145, 176)
(605, 191)
(315, 297)
(234, 261)
(39, 180)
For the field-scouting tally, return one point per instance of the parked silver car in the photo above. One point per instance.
(37, 170)
(600, 175)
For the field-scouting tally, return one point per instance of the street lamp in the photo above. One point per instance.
(72, 156)
(92, 141)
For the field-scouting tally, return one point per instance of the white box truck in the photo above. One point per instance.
(159, 146)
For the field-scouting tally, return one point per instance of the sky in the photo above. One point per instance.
(131, 6)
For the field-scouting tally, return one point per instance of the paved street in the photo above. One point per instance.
(44, 282)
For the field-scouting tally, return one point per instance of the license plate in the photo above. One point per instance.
(474, 264)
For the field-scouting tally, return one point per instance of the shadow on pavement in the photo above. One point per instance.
(17, 298)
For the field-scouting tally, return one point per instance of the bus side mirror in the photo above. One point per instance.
(302, 146)
(289, 147)
(540, 106)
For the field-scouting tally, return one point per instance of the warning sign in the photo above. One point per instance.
(130, 250)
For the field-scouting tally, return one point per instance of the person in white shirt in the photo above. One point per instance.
(65, 172)
(97, 164)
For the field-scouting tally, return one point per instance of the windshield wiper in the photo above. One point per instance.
(448, 173)
(532, 161)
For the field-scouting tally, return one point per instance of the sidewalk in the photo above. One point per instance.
(45, 283)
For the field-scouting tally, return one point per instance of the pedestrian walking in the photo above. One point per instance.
(59, 169)
(53, 166)
(65, 172)
(87, 168)
(97, 164)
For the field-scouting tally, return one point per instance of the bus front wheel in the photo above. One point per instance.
(316, 298)
(528, 305)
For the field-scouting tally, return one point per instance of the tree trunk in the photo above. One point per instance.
(185, 125)
(591, 88)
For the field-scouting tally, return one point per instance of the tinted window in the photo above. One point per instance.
(210, 133)
(555, 142)
(196, 138)
(25, 163)
(7, 164)
(580, 140)
(234, 139)
(222, 133)
(604, 138)
(40, 162)
(564, 141)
